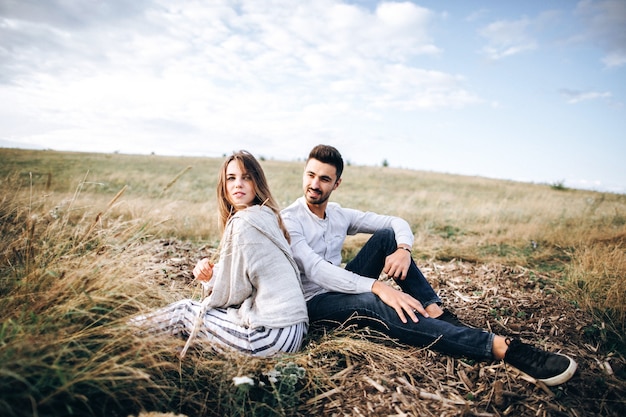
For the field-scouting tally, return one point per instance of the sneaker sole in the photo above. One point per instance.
(563, 376)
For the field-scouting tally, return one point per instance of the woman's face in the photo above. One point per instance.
(239, 185)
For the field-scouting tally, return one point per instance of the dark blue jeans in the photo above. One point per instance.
(366, 309)
(370, 260)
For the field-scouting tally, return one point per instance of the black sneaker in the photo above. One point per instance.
(451, 318)
(547, 367)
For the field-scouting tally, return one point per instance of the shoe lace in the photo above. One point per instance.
(529, 353)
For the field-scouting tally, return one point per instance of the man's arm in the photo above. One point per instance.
(321, 272)
(335, 278)
(369, 222)
(396, 264)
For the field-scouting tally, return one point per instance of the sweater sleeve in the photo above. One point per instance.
(257, 282)
(318, 272)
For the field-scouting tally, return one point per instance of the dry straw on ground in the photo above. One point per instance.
(353, 372)
(76, 265)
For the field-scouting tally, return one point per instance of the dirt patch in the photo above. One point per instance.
(372, 378)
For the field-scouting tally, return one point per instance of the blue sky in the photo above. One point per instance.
(527, 90)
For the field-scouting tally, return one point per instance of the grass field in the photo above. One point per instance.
(79, 233)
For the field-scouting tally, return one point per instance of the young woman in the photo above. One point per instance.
(256, 303)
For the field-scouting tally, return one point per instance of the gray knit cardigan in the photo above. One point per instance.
(257, 280)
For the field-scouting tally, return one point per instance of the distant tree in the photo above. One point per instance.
(385, 163)
(559, 185)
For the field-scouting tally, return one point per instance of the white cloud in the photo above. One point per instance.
(605, 23)
(477, 15)
(272, 76)
(574, 96)
(614, 59)
(507, 38)
(224, 69)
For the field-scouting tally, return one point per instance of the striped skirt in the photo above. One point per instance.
(178, 319)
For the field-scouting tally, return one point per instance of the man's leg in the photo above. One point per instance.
(370, 261)
(366, 309)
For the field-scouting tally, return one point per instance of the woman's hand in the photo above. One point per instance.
(203, 270)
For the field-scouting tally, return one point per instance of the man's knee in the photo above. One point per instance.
(386, 233)
(384, 236)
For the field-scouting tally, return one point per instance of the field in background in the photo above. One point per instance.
(72, 225)
(578, 235)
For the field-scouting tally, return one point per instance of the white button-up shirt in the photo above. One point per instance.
(316, 244)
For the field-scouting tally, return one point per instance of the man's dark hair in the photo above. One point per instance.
(328, 155)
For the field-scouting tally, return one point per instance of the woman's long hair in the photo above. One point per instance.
(263, 196)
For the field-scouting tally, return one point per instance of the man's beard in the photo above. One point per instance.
(319, 199)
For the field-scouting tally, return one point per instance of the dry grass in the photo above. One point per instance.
(595, 279)
(103, 237)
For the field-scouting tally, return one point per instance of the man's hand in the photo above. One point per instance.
(203, 270)
(397, 264)
(399, 301)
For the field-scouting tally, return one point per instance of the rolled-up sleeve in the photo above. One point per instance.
(316, 245)
(368, 222)
(319, 275)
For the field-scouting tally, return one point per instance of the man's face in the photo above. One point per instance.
(319, 181)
